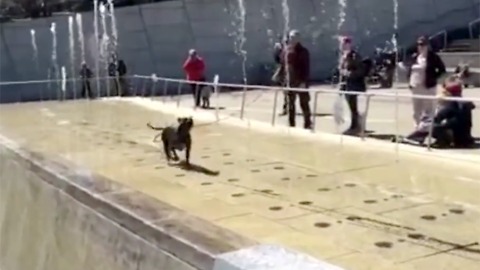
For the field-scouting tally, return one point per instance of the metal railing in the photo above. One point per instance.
(444, 34)
(152, 82)
(470, 27)
(369, 95)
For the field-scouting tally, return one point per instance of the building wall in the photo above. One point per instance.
(154, 38)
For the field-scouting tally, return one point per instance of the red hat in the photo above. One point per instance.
(455, 89)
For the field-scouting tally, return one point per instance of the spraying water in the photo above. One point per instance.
(105, 41)
(395, 50)
(34, 47)
(97, 43)
(113, 25)
(395, 36)
(286, 29)
(71, 41)
(81, 38)
(55, 74)
(64, 82)
(338, 111)
(241, 38)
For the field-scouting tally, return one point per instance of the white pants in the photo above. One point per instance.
(423, 107)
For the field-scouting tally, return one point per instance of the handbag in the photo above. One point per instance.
(277, 75)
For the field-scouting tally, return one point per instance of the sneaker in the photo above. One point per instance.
(352, 132)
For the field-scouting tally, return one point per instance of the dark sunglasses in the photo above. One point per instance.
(421, 44)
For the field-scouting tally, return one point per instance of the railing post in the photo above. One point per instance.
(217, 94)
(165, 85)
(274, 110)
(470, 30)
(364, 117)
(244, 97)
(144, 88)
(154, 84)
(179, 92)
(314, 112)
(445, 40)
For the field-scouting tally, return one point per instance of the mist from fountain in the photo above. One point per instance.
(396, 77)
(97, 43)
(71, 43)
(64, 82)
(286, 30)
(104, 44)
(35, 49)
(55, 74)
(338, 110)
(81, 38)
(241, 37)
(113, 24)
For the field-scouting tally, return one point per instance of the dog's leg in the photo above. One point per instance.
(166, 149)
(175, 156)
(188, 146)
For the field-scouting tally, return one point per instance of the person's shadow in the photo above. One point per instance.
(195, 168)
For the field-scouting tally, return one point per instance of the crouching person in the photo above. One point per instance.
(453, 121)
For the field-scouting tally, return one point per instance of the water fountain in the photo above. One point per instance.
(54, 74)
(395, 49)
(286, 29)
(35, 48)
(104, 43)
(81, 39)
(338, 111)
(64, 82)
(97, 43)
(71, 43)
(113, 25)
(241, 39)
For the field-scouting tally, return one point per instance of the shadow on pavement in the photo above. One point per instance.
(392, 137)
(195, 168)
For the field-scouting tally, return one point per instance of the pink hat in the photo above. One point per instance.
(346, 40)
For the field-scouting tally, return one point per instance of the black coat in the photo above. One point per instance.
(457, 116)
(434, 70)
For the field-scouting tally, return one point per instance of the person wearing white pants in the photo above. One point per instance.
(426, 69)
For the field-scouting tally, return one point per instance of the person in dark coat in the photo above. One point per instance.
(296, 70)
(85, 75)
(122, 78)
(352, 74)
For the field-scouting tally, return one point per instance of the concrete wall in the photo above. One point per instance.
(154, 38)
(55, 215)
(41, 227)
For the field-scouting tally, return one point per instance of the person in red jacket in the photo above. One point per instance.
(194, 67)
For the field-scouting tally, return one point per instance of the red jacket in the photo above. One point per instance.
(195, 68)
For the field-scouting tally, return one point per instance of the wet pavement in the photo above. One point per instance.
(355, 207)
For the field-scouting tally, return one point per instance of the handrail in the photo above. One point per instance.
(318, 90)
(445, 37)
(155, 78)
(412, 24)
(470, 26)
(315, 92)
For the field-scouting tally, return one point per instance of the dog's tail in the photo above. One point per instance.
(155, 128)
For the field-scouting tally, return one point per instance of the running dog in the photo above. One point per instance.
(176, 138)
